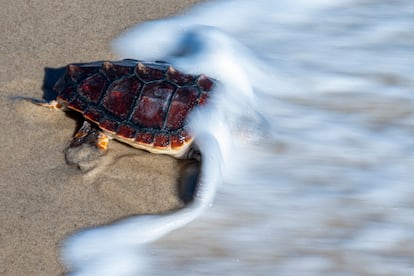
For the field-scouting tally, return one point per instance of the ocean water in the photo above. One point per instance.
(308, 144)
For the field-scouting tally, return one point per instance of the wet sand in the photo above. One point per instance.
(43, 199)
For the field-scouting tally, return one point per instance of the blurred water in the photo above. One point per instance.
(315, 124)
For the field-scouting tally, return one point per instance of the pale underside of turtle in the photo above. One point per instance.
(143, 104)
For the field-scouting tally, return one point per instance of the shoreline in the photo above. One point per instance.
(43, 198)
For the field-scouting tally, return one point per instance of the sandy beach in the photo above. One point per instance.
(44, 199)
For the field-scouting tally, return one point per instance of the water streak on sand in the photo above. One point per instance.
(311, 133)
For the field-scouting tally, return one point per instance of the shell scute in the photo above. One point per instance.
(183, 101)
(178, 77)
(94, 114)
(120, 96)
(203, 98)
(67, 93)
(161, 140)
(115, 70)
(152, 107)
(205, 83)
(177, 140)
(126, 131)
(78, 104)
(144, 137)
(92, 87)
(150, 71)
(109, 125)
(78, 72)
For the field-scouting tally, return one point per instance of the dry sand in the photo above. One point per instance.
(43, 199)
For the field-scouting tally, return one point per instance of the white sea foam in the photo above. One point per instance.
(308, 141)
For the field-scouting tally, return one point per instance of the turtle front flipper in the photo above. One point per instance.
(88, 134)
(87, 146)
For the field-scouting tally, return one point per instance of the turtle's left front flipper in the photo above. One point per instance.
(88, 134)
(87, 146)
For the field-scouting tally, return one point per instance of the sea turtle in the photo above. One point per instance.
(143, 104)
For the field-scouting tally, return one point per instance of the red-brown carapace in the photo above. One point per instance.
(143, 104)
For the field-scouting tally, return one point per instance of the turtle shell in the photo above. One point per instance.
(144, 104)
